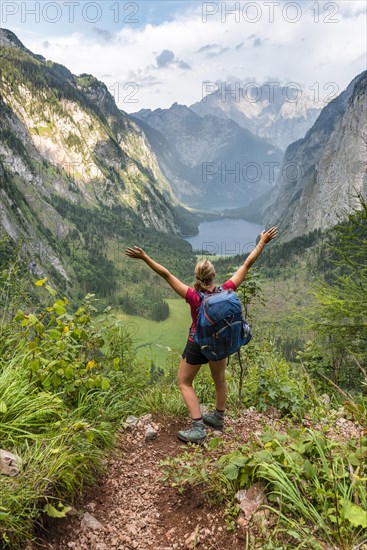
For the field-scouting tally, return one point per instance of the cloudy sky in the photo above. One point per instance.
(153, 53)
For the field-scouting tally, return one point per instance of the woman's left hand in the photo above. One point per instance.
(268, 235)
(136, 252)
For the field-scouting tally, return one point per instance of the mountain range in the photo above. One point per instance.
(74, 168)
(317, 182)
(278, 113)
(210, 161)
(323, 173)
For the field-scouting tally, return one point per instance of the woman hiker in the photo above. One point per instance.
(192, 357)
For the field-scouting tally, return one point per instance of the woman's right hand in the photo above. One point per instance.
(136, 252)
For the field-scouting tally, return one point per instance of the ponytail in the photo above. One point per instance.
(204, 273)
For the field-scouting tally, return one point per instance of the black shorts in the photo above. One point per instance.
(192, 354)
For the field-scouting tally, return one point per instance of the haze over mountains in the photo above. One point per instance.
(221, 163)
(226, 150)
(279, 113)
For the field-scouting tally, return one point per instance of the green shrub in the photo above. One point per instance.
(337, 320)
(56, 411)
(317, 486)
(269, 380)
(64, 350)
(60, 451)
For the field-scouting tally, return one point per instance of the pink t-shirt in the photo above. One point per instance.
(193, 298)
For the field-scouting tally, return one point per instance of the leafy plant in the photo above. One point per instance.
(315, 485)
(60, 451)
(60, 432)
(270, 381)
(14, 281)
(64, 350)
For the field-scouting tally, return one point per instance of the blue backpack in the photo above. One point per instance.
(221, 327)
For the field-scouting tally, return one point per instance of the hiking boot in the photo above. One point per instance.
(195, 434)
(214, 420)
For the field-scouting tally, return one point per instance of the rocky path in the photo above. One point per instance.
(133, 509)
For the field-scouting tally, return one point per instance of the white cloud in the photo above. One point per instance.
(305, 52)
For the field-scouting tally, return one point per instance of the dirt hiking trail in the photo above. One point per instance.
(133, 509)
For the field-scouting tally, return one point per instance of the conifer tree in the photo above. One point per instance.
(339, 319)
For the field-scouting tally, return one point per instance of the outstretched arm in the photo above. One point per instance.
(139, 254)
(265, 237)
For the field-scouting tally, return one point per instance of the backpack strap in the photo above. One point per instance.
(203, 294)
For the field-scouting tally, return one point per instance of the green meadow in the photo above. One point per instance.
(160, 341)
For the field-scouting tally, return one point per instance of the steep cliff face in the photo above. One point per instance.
(26, 213)
(280, 114)
(322, 174)
(63, 138)
(172, 166)
(224, 164)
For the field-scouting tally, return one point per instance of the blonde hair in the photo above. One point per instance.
(204, 273)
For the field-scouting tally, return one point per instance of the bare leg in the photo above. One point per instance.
(186, 375)
(218, 369)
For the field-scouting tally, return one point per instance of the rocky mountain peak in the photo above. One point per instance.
(9, 39)
(279, 113)
(179, 108)
(207, 158)
(142, 114)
